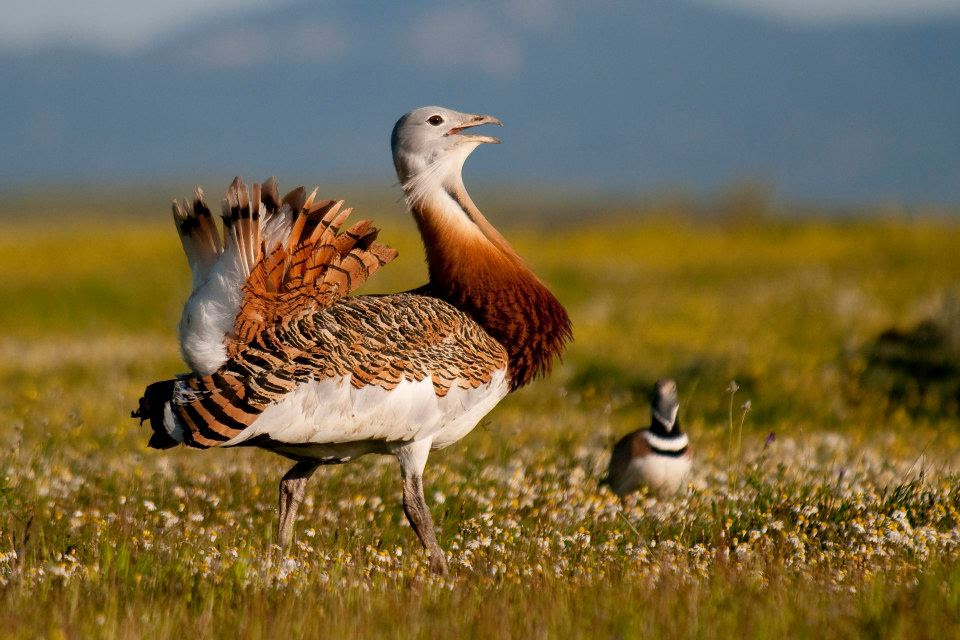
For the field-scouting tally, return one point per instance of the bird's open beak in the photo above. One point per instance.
(476, 121)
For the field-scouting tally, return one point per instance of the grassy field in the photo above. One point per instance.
(834, 513)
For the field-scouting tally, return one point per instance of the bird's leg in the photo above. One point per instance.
(415, 506)
(292, 487)
(413, 458)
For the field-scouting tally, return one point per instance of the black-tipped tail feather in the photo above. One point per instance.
(154, 399)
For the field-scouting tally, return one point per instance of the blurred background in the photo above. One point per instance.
(840, 102)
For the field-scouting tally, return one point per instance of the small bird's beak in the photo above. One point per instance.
(476, 121)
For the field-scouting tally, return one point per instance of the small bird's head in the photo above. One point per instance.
(432, 139)
(664, 404)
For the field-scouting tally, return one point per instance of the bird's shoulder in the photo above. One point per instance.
(403, 321)
(631, 446)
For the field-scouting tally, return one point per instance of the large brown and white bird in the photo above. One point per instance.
(283, 359)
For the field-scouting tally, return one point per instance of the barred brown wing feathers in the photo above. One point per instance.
(369, 340)
(213, 409)
(313, 268)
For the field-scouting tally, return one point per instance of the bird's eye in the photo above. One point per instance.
(435, 120)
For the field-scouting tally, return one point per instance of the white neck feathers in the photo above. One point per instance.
(675, 443)
(423, 177)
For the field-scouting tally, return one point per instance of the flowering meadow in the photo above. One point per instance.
(824, 499)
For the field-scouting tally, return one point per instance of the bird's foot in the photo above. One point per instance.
(438, 564)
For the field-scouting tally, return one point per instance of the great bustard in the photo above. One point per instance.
(658, 456)
(282, 359)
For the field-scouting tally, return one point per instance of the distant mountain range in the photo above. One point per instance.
(628, 96)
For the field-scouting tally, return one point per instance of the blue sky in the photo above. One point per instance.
(823, 98)
(125, 25)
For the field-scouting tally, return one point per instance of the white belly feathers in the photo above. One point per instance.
(663, 474)
(334, 412)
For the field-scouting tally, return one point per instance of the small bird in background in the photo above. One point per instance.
(658, 456)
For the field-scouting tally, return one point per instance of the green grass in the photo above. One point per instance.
(845, 524)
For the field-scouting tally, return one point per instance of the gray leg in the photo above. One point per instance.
(413, 458)
(292, 487)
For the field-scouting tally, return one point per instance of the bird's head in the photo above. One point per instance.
(664, 404)
(432, 142)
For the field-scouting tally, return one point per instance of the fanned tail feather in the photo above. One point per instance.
(250, 220)
(198, 234)
(241, 224)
